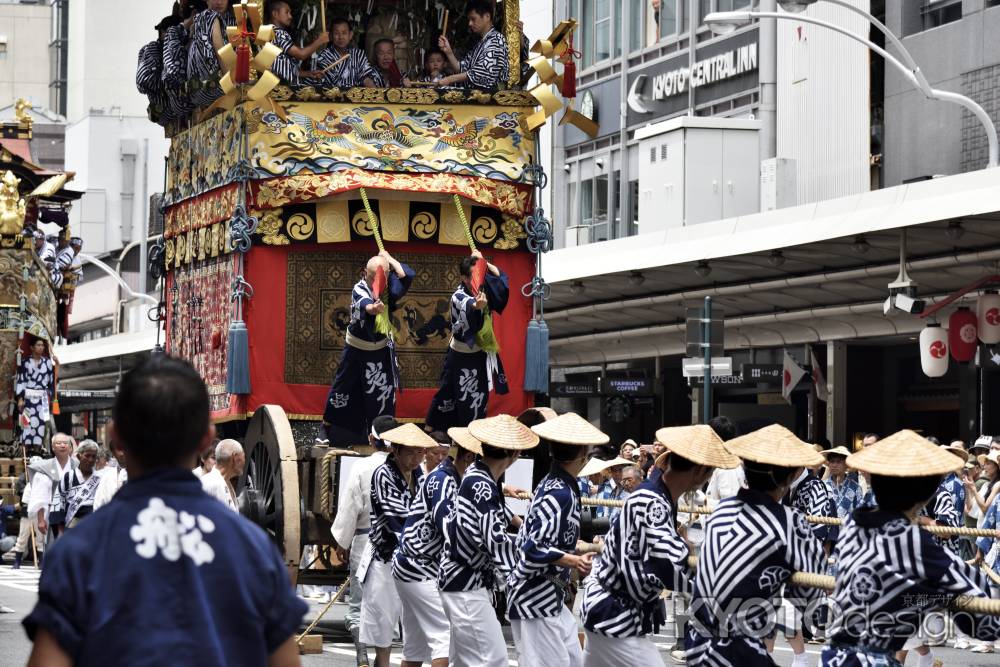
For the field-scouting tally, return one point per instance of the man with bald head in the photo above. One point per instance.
(229, 463)
(367, 377)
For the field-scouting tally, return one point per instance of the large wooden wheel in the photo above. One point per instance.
(270, 482)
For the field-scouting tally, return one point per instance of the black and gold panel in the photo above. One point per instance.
(318, 312)
(341, 221)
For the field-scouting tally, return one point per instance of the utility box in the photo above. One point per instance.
(778, 185)
(697, 169)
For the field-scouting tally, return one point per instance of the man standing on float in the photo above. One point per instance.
(365, 384)
(472, 366)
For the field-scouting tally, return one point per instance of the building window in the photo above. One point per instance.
(59, 55)
(939, 12)
(602, 30)
(3, 47)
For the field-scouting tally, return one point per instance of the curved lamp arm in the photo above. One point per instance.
(932, 93)
(891, 36)
(121, 283)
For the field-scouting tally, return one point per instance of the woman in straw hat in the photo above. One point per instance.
(477, 544)
(752, 546)
(538, 588)
(416, 561)
(644, 553)
(393, 485)
(891, 573)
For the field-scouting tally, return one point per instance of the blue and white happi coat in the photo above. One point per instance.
(148, 80)
(285, 67)
(203, 68)
(643, 554)
(418, 556)
(478, 552)
(174, 73)
(390, 496)
(752, 546)
(941, 508)
(609, 491)
(36, 385)
(487, 63)
(468, 376)
(812, 497)
(349, 74)
(890, 574)
(364, 386)
(537, 587)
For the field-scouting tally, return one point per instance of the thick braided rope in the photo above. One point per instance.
(324, 486)
(465, 222)
(372, 220)
(940, 531)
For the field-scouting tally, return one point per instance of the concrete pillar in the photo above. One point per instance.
(836, 382)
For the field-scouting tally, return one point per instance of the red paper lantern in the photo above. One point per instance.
(934, 351)
(963, 335)
(988, 312)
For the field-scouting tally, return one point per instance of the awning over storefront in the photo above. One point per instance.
(96, 365)
(805, 274)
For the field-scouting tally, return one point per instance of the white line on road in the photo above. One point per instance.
(393, 660)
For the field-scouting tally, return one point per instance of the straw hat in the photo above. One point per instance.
(593, 467)
(698, 443)
(409, 435)
(503, 432)
(460, 435)
(957, 451)
(571, 429)
(992, 456)
(619, 461)
(904, 454)
(775, 445)
(839, 450)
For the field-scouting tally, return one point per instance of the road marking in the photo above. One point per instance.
(22, 580)
(395, 660)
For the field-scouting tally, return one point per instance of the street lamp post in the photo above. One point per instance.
(725, 22)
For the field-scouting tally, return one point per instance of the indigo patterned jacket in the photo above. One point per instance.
(536, 587)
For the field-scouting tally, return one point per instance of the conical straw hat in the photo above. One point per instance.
(775, 445)
(533, 416)
(571, 429)
(698, 443)
(594, 466)
(460, 435)
(503, 432)
(904, 454)
(409, 435)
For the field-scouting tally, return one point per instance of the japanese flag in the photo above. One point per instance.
(791, 374)
(819, 380)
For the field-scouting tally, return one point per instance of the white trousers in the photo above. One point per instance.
(380, 606)
(604, 651)
(476, 635)
(426, 634)
(548, 642)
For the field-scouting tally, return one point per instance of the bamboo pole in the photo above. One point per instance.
(340, 593)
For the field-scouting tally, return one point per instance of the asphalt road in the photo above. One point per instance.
(18, 591)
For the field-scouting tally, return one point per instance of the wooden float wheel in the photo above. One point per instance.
(270, 482)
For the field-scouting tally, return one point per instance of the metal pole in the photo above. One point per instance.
(767, 110)
(706, 344)
(624, 189)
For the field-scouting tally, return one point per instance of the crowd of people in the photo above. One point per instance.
(180, 71)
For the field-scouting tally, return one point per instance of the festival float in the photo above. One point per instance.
(274, 201)
(32, 306)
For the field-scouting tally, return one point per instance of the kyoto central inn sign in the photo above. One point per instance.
(717, 68)
(723, 69)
